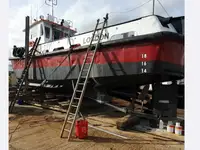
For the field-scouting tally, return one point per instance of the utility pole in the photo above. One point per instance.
(51, 3)
(26, 49)
(153, 7)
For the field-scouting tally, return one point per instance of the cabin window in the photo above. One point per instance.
(57, 34)
(47, 32)
(41, 30)
(66, 34)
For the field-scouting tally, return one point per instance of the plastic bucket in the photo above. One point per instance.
(81, 129)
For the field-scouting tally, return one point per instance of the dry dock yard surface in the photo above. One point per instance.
(34, 128)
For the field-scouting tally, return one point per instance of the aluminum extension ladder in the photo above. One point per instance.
(81, 83)
(24, 73)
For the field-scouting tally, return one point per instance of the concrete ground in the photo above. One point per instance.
(33, 128)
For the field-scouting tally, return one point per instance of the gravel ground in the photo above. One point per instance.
(38, 129)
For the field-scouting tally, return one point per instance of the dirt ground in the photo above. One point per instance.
(34, 128)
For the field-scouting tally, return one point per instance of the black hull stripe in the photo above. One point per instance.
(107, 71)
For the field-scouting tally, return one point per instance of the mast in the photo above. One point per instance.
(53, 3)
(27, 30)
(52, 7)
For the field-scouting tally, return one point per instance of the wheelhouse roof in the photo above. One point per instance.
(49, 22)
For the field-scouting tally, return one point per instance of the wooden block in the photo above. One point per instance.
(127, 122)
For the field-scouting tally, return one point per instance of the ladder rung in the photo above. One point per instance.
(79, 91)
(91, 53)
(85, 69)
(83, 77)
(81, 83)
(71, 113)
(74, 106)
(87, 66)
(76, 98)
(90, 56)
(88, 59)
(66, 130)
(88, 63)
(69, 121)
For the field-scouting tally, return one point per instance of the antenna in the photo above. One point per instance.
(51, 3)
(31, 15)
(153, 7)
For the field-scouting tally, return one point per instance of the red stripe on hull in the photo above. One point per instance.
(167, 51)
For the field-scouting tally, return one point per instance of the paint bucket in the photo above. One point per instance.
(178, 129)
(170, 128)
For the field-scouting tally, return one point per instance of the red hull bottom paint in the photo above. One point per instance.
(167, 51)
(161, 58)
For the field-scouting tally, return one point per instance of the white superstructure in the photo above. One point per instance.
(54, 35)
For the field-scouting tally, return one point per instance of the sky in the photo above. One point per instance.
(84, 13)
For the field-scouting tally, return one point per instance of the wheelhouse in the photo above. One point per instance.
(50, 29)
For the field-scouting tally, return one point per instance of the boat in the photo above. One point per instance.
(142, 51)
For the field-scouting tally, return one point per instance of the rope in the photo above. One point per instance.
(131, 9)
(163, 8)
(56, 67)
(140, 7)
